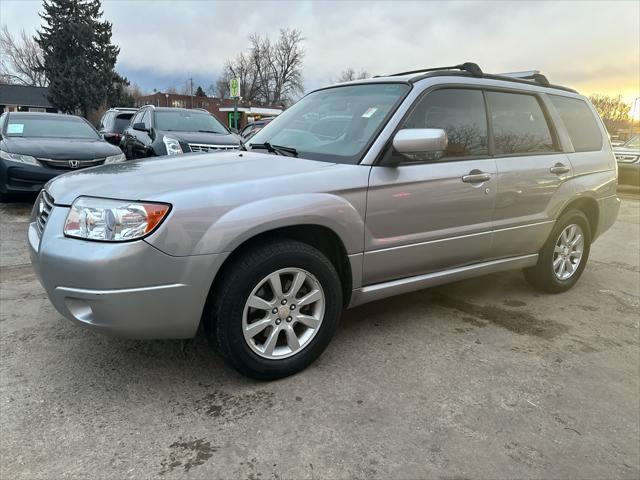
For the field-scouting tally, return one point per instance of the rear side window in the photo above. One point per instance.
(581, 124)
(519, 125)
(461, 114)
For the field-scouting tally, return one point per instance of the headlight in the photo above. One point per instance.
(16, 157)
(115, 158)
(113, 220)
(173, 146)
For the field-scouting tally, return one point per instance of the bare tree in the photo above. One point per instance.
(613, 111)
(269, 72)
(286, 66)
(349, 74)
(20, 59)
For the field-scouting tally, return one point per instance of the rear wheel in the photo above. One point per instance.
(564, 255)
(275, 309)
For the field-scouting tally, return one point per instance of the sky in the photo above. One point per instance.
(588, 45)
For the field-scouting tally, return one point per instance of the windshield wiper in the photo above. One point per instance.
(277, 149)
(208, 131)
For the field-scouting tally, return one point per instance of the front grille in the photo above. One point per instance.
(45, 204)
(71, 164)
(201, 147)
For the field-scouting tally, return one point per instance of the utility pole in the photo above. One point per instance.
(191, 91)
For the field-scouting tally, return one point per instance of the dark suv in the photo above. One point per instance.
(113, 122)
(157, 131)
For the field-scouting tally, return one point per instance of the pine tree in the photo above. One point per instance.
(200, 92)
(79, 58)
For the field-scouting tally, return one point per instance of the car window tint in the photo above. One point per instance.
(188, 121)
(519, 125)
(121, 122)
(581, 125)
(461, 113)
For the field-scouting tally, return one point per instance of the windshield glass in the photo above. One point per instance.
(185, 121)
(335, 124)
(634, 142)
(49, 127)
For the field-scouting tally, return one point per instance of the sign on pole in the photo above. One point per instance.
(234, 92)
(234, 88)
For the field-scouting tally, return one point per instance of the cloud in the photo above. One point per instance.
(588, 45)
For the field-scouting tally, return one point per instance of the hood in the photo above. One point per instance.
(203, 137)
(165, 178)
(60, 149)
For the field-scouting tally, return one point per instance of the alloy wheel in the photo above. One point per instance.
(283, 313)
(567, 252)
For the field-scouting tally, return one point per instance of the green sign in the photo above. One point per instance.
(234, 88)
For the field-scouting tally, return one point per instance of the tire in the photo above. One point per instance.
(547, 278)
(250, 275)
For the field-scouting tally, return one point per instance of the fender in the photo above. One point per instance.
(242, 222)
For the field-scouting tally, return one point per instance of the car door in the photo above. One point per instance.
(531, 168)
(129, 136)
(435, 214)
(141, 139)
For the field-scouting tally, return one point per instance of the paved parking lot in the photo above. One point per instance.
(480, 379)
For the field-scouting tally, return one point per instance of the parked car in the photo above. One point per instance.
(113, 122)
(35, 147)
(251, 129)
(628, 157)
(157, 131)
(439, 176)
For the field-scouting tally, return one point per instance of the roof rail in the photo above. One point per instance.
(149, 105)
(470, 67)
(532, 75)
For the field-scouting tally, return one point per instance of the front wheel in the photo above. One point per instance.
(275, 309)
(564, 255)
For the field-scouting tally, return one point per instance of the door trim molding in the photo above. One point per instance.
(382, 290)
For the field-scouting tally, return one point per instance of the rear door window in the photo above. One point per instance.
(461, 113)
(519, 124)
(580, 123)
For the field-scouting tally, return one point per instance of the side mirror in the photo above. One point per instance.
(418, 144)
(141, 127)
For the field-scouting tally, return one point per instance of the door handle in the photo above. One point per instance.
(559, 169)
(476, 176)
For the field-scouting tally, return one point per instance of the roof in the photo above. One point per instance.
(28, 96)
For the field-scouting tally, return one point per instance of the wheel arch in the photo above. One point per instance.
(318, 236)
(587, 205)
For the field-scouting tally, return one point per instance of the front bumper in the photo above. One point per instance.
(22, 178)
(127, 289)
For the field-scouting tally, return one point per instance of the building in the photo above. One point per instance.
(22, 98)
(221, 108)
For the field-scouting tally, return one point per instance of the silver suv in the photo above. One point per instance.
(359, 191)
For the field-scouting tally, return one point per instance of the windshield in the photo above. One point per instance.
(185, 121)
(49, 127)
(634, 142)
(336, 124)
